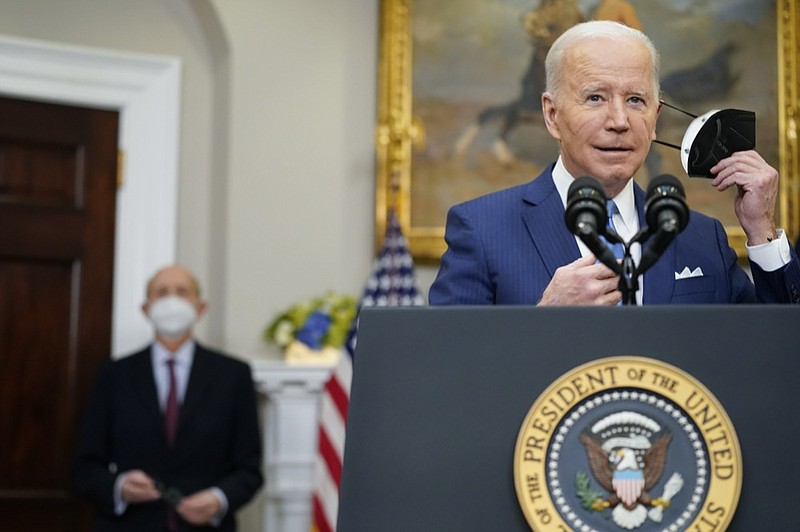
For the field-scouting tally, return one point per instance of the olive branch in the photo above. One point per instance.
(585, 492)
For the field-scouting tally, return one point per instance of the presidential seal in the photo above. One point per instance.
(627, 443)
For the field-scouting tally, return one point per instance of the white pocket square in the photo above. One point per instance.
(686, 273)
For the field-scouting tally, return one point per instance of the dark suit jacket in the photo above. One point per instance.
(218, 441)
(504, 248)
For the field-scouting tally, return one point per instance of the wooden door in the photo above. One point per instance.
(58, 167)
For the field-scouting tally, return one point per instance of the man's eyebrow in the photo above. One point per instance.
(641, 91)
(593, 87)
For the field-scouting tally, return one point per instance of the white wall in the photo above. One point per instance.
(302, 155)
(276, 177)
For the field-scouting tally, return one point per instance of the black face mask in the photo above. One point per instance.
(714, 136)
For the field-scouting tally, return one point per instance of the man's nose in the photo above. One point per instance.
(617, 115)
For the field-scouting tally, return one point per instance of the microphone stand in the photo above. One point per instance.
(628, 278)
(627, 270)
(628, 275)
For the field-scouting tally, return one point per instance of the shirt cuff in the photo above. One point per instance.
(119, 505)
(773, 255)
(223, 506)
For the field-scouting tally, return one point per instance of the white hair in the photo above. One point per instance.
(593, 29)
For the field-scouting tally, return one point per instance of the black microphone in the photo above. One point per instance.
(666, 214)
(586, 216)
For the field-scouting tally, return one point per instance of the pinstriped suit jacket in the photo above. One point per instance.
(503, 249)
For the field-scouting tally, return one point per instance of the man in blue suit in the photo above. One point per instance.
(601, 104)
(171, 439)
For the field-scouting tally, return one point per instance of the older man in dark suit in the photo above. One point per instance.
(171, 437)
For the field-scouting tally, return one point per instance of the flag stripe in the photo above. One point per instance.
(320, 520)
(332, 423)
(343, 372)
(326, 496)
(330, 457)
(335, 390)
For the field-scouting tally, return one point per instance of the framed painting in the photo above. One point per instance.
(459, 98)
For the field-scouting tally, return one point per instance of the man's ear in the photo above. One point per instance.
(549, 112)
(654, 134)
(202, 307)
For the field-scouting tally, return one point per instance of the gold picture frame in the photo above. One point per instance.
(399, 132)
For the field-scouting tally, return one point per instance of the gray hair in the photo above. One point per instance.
(592, 30)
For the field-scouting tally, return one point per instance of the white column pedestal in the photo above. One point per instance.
(291, 397)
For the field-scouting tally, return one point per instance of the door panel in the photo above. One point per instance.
(57, 210)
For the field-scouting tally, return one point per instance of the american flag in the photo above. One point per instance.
(391, 284)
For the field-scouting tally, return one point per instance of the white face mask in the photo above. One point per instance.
(172, 316)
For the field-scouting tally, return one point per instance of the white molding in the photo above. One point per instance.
(145, 89)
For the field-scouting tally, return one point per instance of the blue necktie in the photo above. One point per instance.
(617, 248)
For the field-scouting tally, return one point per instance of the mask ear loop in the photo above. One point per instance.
(687, 113)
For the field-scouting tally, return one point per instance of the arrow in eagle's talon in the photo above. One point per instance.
(661, 503)
(672, 487)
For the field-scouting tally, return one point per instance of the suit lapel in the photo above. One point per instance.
(145, 383)
(543, 216)
(199, 378)
(145, 388)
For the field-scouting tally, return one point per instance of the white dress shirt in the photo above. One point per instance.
(183, 358)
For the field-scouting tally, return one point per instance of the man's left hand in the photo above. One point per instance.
(757, 190)
(199, 508)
